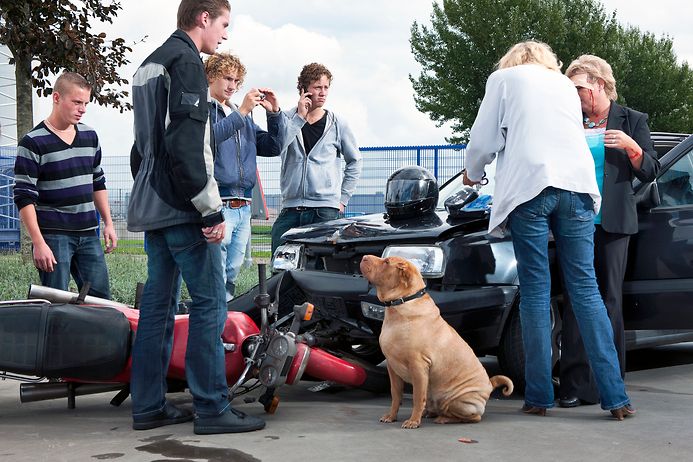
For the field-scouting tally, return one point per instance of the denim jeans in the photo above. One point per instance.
(292, 217)
(234, 245)
(81, 256)
(570, 217)
(173, 251)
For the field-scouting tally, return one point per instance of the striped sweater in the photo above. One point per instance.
(59, 179)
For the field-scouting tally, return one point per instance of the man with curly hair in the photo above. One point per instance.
(238, 141)
(314, 188)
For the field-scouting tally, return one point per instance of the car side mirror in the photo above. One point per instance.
(648, 198)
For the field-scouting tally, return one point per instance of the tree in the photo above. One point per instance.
(458, 51)
(47, 37)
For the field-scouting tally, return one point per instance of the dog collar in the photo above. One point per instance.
(399, 301)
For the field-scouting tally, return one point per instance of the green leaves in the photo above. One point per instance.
(56, 36)
(465, 38)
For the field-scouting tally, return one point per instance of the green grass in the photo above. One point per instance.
(125, 271)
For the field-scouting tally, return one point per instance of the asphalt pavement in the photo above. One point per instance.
(342, 425)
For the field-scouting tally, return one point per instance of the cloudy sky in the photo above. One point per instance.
(365, 43)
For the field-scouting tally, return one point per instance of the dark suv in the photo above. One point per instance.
(472, 276)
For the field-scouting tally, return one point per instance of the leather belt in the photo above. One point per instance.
(236, 203)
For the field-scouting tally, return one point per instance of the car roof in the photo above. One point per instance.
(665, 141)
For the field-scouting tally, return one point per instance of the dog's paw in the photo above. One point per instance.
(388, 418)
(411, 423)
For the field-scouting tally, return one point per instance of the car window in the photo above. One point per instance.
(676, 184)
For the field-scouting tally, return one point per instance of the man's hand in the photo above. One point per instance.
(467, 181)
(110, 239)
(250, 100)
(304, 104)
(44, 259)
(214, 234)
(270, 102)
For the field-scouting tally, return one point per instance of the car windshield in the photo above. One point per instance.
(453, 185)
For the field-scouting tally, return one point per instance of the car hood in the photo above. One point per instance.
(378, 227)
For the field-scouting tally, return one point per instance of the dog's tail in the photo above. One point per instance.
(501, 380)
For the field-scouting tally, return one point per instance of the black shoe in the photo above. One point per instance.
(169, 415)
(569, 401)
(231, 421)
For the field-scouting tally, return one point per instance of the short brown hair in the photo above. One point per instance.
(189, 10)
(310, 73)
(530, 52)
(596, 68)
(70, 78)
(219, 65)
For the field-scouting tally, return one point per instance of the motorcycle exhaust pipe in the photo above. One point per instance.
(63, 296)
(31, 392)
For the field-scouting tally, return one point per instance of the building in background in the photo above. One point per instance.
(8, 100)
(9, 217)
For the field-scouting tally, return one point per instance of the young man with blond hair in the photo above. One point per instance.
(239, 140)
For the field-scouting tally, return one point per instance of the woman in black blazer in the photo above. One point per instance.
(628, 153)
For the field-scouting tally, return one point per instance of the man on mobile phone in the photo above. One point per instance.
(314, 188)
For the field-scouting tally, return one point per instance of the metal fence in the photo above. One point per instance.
(444, 161)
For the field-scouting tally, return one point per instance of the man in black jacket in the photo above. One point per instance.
(175, 200)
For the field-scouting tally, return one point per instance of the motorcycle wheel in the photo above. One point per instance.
(511, 355)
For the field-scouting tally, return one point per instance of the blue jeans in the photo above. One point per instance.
(81, 256)
(293, 217)
(570, 217)
(173, 251)
(234, 245)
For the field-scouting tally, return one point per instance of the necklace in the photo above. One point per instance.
(54, 128)
(591, 124)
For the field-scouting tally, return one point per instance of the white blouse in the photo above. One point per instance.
(531, 119)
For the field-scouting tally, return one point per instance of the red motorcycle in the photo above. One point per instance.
(63, 345)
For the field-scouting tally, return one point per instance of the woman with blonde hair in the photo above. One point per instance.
(530, 121)
(626, 153)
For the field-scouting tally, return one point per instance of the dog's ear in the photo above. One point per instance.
(404, 273)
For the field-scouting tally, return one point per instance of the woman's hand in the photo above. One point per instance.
(619, 140)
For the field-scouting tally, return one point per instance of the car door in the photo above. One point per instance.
(658, 290)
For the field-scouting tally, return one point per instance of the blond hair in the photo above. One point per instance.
(596, 68)
(219, 65)
(530, 52)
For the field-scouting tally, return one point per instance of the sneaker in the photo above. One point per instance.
(169, 415)
(231, 421)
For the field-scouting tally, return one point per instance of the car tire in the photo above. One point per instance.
(511, 356)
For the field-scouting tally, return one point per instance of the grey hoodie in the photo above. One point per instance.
(316, 180)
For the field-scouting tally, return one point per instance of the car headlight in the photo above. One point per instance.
(430, 260)
(287, 257)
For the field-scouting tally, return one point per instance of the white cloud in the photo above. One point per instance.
(365, 43)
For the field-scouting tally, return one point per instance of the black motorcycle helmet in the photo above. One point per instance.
(410, 191)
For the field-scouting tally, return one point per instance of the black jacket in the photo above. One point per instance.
(619, 214)
(172, 158)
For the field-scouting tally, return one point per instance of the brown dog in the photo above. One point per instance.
(421, 348)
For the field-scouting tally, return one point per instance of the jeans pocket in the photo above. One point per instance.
(327, 213)
(583, 207)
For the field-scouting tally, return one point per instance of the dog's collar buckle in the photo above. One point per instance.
(399, 301)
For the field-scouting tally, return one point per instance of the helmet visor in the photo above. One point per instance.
(400, 191)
